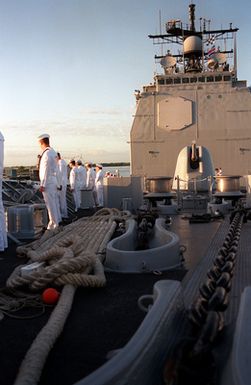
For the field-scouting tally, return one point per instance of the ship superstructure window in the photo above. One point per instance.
(218, 78)
(193, 79)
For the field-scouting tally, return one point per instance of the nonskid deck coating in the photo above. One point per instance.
(109, 316)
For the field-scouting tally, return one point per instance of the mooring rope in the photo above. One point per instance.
(73, 258)
(33, 363)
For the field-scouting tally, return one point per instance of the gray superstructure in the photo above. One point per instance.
(198, 97)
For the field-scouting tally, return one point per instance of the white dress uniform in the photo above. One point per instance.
(99, 187)
(74, 184)
(3, 232)
(62, 167)
(90, 183)
(90, 179)
(82, 175)
(48, 180)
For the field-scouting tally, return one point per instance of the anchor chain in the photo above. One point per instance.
(193, 357)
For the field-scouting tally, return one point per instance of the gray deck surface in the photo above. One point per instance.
(196, 237)
(202, 242)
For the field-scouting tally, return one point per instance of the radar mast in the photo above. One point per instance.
(196, 51)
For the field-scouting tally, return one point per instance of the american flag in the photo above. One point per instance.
(211, 40)
(211, 50)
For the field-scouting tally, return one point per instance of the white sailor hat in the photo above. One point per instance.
(99, 165)
(43, 136)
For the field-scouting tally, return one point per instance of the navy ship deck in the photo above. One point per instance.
(103, 320)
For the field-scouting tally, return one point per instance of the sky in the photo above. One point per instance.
(69, 68)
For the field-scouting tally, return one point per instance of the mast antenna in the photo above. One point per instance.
(160, 30)
(192, 16)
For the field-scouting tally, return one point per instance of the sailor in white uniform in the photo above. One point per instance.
(74, 184)
(90, 181)
(63, 179)
(3, 232)
(48, 180)
(99, 185)
(82, 175)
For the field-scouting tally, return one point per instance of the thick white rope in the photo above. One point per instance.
(31, 368)
(93, 235)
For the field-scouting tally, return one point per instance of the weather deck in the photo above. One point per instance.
(105, 319)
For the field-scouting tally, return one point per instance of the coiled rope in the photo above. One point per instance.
(74, 258)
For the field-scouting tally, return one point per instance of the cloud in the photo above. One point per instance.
(107, 111)
(104, 142)
(100, 134)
